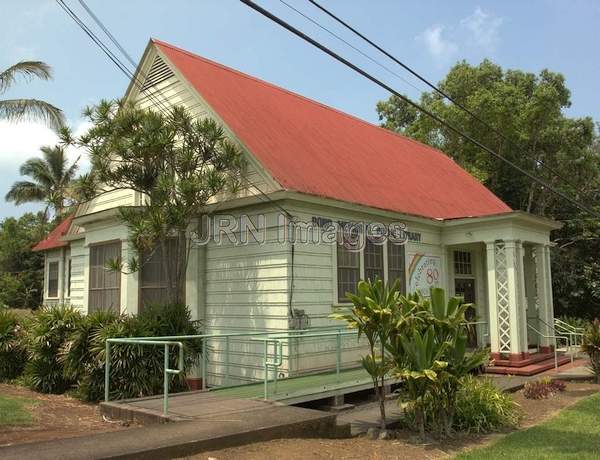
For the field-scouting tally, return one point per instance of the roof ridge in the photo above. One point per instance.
(300, 96)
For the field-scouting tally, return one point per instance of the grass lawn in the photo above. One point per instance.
(13, 411)
(573, 433)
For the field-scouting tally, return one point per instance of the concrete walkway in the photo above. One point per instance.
(171, 440)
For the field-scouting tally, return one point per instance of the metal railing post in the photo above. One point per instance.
(266, 389)
(107, 371)
(338, 356)
(204, 364)
(227, 370)
(275, 369)
(166, 382)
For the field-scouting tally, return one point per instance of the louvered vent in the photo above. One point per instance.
(159, 71)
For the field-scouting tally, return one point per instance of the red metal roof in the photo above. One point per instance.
(312, 148)
(53, 240)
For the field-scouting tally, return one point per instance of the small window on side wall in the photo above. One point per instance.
(153, 278)
(53, 279)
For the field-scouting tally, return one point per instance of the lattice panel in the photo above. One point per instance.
(536, 259)
(502, 300)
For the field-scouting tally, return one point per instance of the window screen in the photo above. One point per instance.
(153, 278)
(105, 285)
(396, 265)
(373, 260)
(53, 279)
(348, 271)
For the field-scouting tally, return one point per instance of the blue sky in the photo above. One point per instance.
(428, 35)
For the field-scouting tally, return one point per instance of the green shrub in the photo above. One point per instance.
(80, 364)
(136, 370)
(46, 333)
(12, 349)
(591, 346)
(480, 408)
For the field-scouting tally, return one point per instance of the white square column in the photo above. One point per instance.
(544, 292)
(506, 292)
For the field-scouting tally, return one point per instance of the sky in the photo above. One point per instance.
(428, 35)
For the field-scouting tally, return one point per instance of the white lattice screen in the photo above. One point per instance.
(502, 300)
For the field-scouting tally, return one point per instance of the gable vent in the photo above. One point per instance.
(159, 71)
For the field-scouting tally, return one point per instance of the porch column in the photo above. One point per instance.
(492, 296)
(517, 302)
(544, 291)
(506, 285)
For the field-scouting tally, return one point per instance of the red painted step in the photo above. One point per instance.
(533, 358)
(530, 369)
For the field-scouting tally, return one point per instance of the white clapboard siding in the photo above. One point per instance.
(162, 89)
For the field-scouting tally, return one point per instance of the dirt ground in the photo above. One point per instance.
(534, 411)
(55, 416)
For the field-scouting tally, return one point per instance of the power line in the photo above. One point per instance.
(436, 89)
(420, 108)
(358, 50)
(123, 68)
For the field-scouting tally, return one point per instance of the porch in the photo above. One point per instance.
(502, 265)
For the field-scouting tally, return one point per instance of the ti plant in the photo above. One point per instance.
(372, 314)
(591, 346)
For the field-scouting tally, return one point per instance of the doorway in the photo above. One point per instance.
(465, 288)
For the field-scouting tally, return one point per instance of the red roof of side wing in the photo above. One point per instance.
(54, 238)
(314, 149)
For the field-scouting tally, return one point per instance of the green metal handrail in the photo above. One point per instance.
(553, 337)
(277, 340)
(167, 370)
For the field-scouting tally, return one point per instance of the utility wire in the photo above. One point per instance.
(130, 74)
(409, 101)
(433, 87)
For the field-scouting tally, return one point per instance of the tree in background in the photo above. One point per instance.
(21, 269)
(33, 109)
(529, 110)
(175, 163)
(52, 181)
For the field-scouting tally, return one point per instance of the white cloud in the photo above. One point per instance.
(479, 32)
(20, 141)
(484, 28)
(439, 46)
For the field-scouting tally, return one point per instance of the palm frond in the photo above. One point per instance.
(39, 170)
(26, 69)
(25, 191)
(32, 109)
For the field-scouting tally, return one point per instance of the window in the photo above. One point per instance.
(105, 285)
(462, 263)
(348, 271)
(396, 265)
(53, 279)
(373, 260)
(352, 265)
(153, 280)
(69, 279)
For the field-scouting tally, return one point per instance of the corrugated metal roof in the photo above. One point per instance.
(312, 148)
(54, 238)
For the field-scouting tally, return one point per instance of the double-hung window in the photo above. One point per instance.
(105, 284)
(53, 279)
(153, 277)
(385, 260)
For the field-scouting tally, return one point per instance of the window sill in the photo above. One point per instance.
(342, 305)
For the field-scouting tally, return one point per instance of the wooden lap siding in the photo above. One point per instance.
(105, 285)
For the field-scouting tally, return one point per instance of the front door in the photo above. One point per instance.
(465, 288)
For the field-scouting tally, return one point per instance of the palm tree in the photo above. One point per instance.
(33, 109)
(52, 181)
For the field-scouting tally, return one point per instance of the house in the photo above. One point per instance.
(321, 166)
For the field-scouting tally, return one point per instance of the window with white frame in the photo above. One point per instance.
(53, 279)
(368, 263)
(105, 284)
(153, 278)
